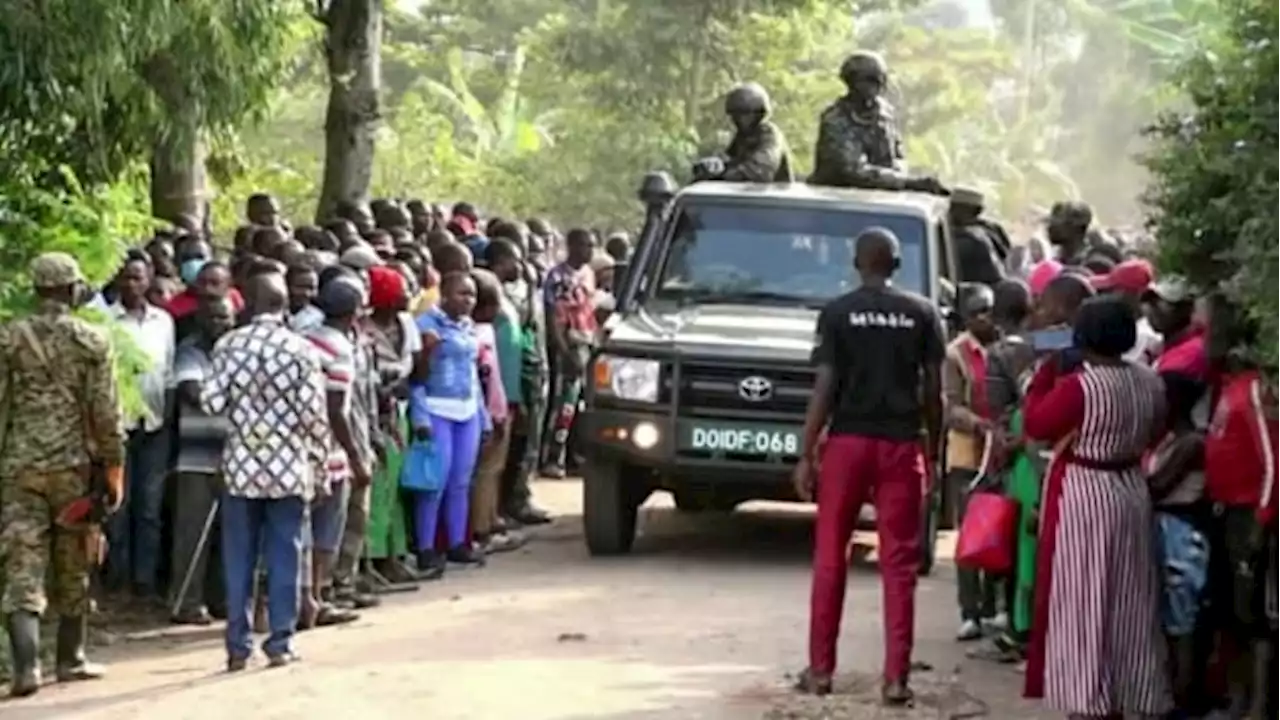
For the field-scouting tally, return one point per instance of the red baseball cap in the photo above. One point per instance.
(1133, 276)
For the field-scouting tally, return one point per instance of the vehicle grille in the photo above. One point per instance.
(712, 386)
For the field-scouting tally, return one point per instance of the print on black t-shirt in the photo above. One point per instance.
(878, 341)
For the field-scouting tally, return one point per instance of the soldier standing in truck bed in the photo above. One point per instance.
(858, 142)
(59, 415)
(758, 151)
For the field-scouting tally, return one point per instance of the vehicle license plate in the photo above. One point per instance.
(776, 440)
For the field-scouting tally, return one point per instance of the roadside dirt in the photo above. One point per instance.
(704, 620)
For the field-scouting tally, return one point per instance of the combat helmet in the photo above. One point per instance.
(747, 98)
(863, 64)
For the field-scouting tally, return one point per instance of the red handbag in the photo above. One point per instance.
(987, 533)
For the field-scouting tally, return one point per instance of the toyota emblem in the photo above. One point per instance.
(755, 389)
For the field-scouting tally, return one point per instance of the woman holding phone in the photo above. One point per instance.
(1096, 648)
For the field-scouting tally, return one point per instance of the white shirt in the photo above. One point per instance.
(153, 333)
(1147, 348)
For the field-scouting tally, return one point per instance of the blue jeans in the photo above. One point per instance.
(133, 533)
(273, 527)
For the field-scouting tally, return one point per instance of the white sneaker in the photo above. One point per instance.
(999, 623)
(969, 630)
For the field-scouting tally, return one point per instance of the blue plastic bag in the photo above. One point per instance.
(421, 469)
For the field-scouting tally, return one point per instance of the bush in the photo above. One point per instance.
(1214, 168)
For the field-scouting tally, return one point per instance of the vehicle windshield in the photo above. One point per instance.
(773, 255)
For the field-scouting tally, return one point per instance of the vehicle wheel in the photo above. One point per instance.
(928, 534)
(608, 509)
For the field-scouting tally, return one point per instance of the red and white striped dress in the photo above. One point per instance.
(1097, 646)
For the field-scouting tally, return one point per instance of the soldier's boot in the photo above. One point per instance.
(24, 648)
(73, 666)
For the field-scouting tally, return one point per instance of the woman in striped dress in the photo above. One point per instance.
(1096, 647)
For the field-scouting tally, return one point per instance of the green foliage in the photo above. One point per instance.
(557, 108)
(92, 224)
(1215, 167)
(93, 84)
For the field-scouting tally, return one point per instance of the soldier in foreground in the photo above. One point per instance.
(59, 418)
(858, 142)
(758, 151)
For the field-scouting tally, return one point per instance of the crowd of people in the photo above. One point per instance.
(325, 414)
(1129, 423)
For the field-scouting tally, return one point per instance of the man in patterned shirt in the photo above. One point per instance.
(266, 381)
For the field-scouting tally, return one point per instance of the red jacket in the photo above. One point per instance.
(1240, 447)
(186, 302)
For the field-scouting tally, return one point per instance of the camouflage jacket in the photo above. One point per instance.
(58, 403)
(858, 149)
(758, 155)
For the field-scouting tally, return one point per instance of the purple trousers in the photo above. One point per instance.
(458, 444)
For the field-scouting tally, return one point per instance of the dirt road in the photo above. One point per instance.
(703, 621)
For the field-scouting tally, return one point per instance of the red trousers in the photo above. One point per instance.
(890, 473)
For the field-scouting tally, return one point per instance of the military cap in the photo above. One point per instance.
(1071, 212)
(54, 270)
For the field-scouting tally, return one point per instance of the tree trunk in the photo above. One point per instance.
(179, 183)
(353, 45)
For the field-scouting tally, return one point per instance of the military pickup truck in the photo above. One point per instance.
(701, 384)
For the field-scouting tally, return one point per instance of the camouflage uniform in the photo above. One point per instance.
(758, 151)
(978, 255)
(758, 155)
(858, 140)
(59, 412)
(48, 436)
(858, 148)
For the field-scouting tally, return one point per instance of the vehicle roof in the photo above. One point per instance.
(815, 195)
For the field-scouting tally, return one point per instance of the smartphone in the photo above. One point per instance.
(1052, 339)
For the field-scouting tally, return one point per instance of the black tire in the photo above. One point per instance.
(608, 509)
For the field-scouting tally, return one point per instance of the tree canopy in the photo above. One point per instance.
(552, 107)
(1215, 166)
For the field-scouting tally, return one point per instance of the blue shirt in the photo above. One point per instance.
(476, 244)
(452, 388)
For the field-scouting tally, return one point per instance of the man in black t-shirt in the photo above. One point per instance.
(879, 356)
